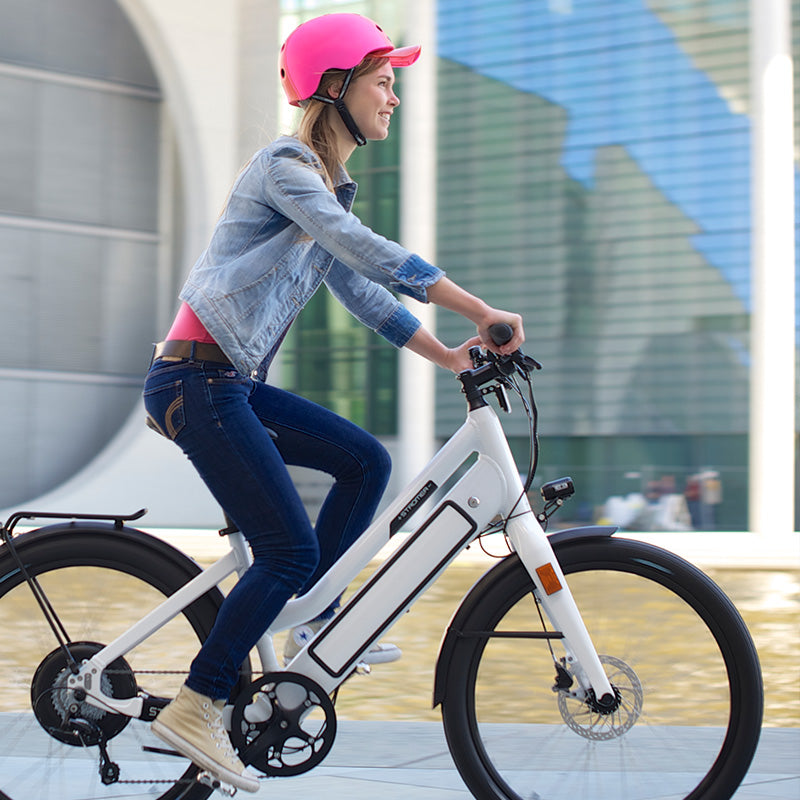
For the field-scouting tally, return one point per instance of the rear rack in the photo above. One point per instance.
(117, 519)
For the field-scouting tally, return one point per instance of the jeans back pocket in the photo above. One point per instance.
(165, 409)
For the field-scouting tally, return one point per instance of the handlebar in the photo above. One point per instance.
(491, 367)
(502, 333)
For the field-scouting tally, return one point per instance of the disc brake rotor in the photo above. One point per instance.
(584, 716)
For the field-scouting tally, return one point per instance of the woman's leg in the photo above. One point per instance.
(209, 413)
(240, 435)
(310, 436)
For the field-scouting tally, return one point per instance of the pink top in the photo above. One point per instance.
(188, 328)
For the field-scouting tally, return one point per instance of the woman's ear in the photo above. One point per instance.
(334, 89)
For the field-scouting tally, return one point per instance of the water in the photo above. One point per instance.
(769, 601)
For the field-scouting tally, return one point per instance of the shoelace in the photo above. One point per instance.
(217, 731)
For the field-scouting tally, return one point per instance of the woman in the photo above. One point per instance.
(286, 228)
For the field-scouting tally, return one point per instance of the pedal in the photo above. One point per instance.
(213, 782)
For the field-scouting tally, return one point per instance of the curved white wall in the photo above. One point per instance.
(215, 64)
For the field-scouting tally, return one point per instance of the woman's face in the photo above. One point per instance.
(371, 101)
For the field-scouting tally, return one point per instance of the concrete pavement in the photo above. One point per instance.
(410, 761)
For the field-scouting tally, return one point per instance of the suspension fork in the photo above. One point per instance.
(536, 553)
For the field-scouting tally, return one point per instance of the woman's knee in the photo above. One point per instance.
(371, 461)
(381, 464)
(293, 562)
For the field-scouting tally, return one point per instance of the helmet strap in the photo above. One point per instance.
(344, 112)
(349, 122)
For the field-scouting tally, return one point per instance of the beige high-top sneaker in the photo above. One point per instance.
(192, 724)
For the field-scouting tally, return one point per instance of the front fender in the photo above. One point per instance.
(557, 539)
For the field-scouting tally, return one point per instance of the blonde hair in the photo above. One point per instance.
(315, 129)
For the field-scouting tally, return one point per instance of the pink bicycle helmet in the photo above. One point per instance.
(333, 41)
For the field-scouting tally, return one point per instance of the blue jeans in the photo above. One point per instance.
(240, 434)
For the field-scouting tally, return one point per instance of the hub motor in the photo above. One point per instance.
(64, 712)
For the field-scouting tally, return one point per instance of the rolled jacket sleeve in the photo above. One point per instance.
(294, 186)
(371, 304)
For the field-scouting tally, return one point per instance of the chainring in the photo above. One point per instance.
(56, 705)
(283, 724)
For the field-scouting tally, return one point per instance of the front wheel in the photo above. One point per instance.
(689, 698)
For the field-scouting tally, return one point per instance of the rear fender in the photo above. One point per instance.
(89, 536)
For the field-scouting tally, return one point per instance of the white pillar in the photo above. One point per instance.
(772, 381)
(418, 233)
(258, 89)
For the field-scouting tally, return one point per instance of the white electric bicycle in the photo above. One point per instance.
(553, 679)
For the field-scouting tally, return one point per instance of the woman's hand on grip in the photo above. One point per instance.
(496, 317)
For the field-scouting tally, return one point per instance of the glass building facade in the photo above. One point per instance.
(594, 166)
(594, 174)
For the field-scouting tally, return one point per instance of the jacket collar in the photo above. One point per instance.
(345, 188)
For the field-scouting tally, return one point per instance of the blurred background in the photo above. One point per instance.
(621, 172)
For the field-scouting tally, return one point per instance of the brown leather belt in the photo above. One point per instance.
(193, 351)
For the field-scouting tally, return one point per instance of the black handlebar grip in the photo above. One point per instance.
(500, 333)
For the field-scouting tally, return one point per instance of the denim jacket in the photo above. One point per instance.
(283, 233)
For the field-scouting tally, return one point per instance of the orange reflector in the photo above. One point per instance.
(547, 575)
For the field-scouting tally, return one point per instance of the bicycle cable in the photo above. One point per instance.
(532, 413)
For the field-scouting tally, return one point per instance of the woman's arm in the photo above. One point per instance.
(296, 190)
(457, 359)
(450, 295)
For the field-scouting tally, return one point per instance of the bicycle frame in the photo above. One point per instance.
(489, 487)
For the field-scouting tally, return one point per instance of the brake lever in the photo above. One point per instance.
(507, 365)
(528, 363)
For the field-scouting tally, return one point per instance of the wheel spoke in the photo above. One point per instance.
(54, 743)
(515, 735)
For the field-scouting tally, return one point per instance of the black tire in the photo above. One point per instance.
(676, 648)
(86, 571)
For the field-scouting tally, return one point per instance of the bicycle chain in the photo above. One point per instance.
(151, 782)
(108, 671)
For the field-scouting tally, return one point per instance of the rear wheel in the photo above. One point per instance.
(99, 581)
(689, 699)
